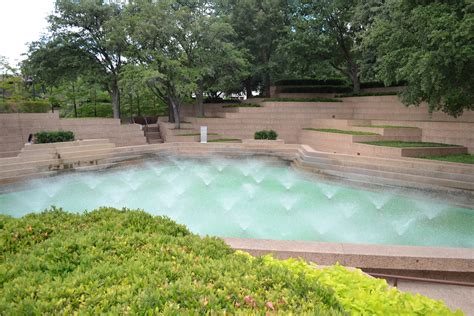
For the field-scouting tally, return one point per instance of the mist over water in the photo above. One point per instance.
(250, 198)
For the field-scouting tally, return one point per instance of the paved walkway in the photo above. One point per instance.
(454, 296)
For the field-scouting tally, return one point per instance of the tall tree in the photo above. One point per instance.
(95, 27)
(430, 45)
(179, 46)
(260, 26)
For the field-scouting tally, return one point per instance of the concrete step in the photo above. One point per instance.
(383, 176)
(363, 163)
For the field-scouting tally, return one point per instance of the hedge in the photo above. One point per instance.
(53, 137)
(129, 262)
(311, 82)
(266, 135)
(25, 107)
(316, 89)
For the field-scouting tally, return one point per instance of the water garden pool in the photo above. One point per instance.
(251, 198)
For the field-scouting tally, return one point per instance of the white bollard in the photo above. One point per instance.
(203, 134)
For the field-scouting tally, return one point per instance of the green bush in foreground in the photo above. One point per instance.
(53, 137)
(111, 261)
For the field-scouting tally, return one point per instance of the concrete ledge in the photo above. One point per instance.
(263, 142)
(362, 256)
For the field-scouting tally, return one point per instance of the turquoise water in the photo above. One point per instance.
(253, 199)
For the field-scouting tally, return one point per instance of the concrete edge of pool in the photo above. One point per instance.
(443, 263)
(452, 178)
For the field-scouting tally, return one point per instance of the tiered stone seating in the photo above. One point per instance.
(15, 129)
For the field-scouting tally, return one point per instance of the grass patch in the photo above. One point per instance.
(197, 134)
(385, 126)
(111, 261)
(366, 94)
(461, 158)
(224, 140)
(241, 105)
(302, 100)
(340, 131)
(400, 144)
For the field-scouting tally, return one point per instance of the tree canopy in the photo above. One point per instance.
(173, 52)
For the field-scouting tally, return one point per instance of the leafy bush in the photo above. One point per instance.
(311, 82)
(362, 295)
(53, 137)
(316, 89)
(129, 262)
(266, 135)
(380, 84)
(26, 107)
(366, 94)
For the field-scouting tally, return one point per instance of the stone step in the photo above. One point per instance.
(413, 163)
(403, 169)
(384, 176)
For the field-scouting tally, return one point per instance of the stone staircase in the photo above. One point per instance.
(47, 159)
(323, 139)
(406, 172)
(152, 134)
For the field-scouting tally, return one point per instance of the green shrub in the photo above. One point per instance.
(316, 89)
(129, 262)
(266, 135)
(363, 295)
(311, 82)
(241, 105)
(366, 94)
(53, 137)
(39, 106)
(302, 100)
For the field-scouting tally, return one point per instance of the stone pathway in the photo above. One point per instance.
(455, 296)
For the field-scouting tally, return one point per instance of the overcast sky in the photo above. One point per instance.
(22, 21)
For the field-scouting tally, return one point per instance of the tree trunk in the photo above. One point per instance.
(74, 100)
(248, 87)
(177, 123)
(356, 83)
(138, 105)
(200, 104)
(130, 99)
(170, 113)
(267, 84)
(115, 95)
(95, 103)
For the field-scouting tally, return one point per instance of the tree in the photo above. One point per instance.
(180, 47)
(430, 45)
(260, 26)
(95, 28)
(333, 31)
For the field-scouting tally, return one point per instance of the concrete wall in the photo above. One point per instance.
(15, 128)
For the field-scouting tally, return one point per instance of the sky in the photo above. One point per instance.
(22, 21)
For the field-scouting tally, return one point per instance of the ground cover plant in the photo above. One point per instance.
(302, 100)
(266, 135)
(118, 262)
(401, 144)
(462, 158)
(224, 140)
(53, 137)
(386, 126)
(340, 131)
(112, 261)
